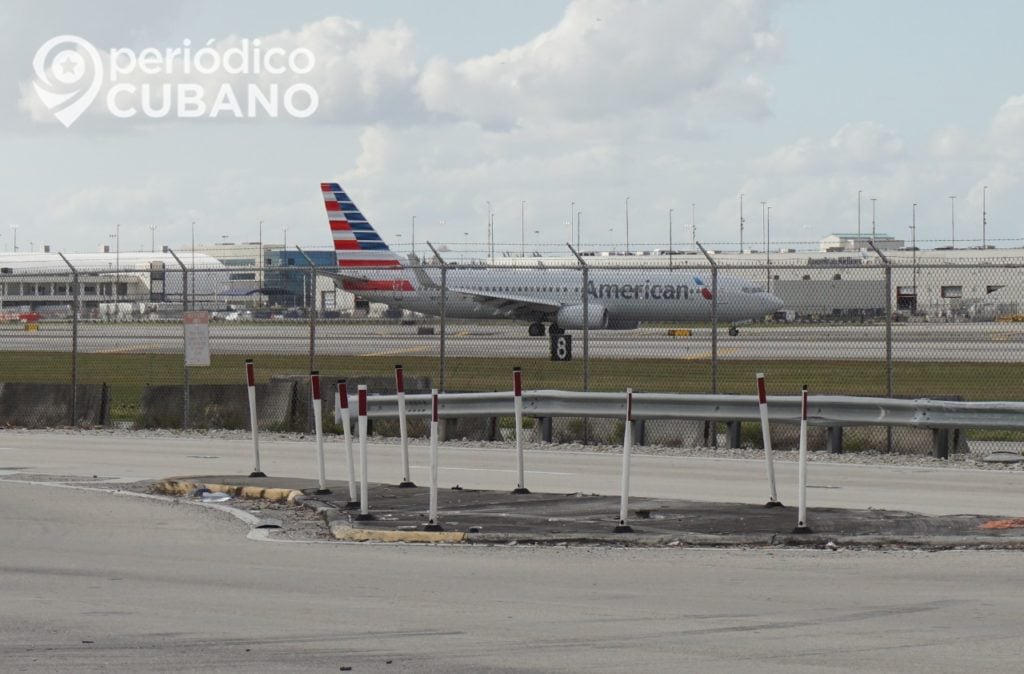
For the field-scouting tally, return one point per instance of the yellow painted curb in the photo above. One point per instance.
(380, 536)
(177, 488)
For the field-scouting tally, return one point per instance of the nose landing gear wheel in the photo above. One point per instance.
(536, 330)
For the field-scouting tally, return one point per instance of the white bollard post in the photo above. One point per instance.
(627, 448)
(517, 392)
(769, 461)
(432, 524)
(801, 521)
(341, 417)
(318, 424)
(364, 488)
(250, 378)
(403, 432)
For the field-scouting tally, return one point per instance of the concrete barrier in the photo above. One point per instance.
(219, 406)
(33, 405)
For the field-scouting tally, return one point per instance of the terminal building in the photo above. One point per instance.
(843, 279)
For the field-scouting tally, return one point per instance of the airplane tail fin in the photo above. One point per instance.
(356, 242)
(357, 245)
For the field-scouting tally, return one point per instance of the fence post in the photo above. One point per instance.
(586, 334)
(444, 299)
(311, 307)
(888, 335)
(184, 360)
(74, 340)
(714, 336)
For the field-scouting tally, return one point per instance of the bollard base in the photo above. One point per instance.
(432, 526)
(322, 492)
(364, 517)
(623, 529)
(520, 490)
(802, 529)
(774, 504)
(257, 473)
(406, 484)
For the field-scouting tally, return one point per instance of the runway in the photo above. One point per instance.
(978, 342)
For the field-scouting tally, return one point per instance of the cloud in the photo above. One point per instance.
(866, 147)
(610, 58)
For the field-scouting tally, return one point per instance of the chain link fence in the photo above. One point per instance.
(107, 348)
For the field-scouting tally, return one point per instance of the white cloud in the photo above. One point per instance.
(866, 147)
(609, 58)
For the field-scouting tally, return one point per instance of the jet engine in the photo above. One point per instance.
(571, 317)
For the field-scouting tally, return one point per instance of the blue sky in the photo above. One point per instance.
(434, 109)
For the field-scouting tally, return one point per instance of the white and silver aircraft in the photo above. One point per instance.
(617, 299)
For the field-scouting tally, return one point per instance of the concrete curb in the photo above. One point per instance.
(182, 488)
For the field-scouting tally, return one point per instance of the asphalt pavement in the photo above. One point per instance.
(399, 514)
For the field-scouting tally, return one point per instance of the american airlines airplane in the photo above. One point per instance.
(617, 299)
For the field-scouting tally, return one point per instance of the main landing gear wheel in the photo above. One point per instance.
(733, 331)
(555, 330)
(536, 329)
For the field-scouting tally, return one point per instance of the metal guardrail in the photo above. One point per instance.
(824, 410)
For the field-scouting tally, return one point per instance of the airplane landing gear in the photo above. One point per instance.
(733, 331)
(555, 330)
(536, 330)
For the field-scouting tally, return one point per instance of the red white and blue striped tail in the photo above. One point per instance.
(356, 243)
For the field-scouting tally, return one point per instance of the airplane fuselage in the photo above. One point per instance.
(626, 295)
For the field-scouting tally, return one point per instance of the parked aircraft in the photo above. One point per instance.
(617, 298)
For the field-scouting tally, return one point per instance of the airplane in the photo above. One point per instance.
(617, 299)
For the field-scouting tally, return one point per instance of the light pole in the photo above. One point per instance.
(858, 213)
(693, 227)
(578, 237)
(572, 216)
(15, 228)
(193, 268)
(284, 247)
(873, 200)
(913, 248)
(768, 247)
(952, 221)
(764, 243)
(984, 217)
(489, 226)
(522, 228)
(152, 238)
(627, 225)
(117, 262)
(465, 249)
(414, 235)
(260, 263)
(670, 239)
(741, 223)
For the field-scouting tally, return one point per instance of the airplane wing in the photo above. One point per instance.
(518, 306)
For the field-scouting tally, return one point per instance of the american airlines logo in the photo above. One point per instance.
(643, 291)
